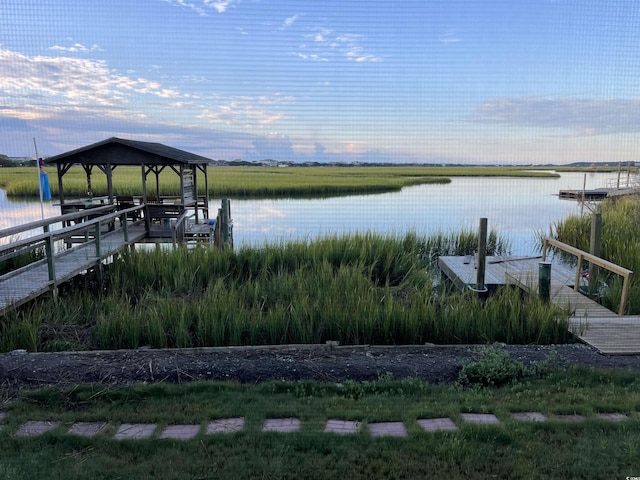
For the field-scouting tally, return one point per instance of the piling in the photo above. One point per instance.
(595, 243)
(482, 255)
(544, 281)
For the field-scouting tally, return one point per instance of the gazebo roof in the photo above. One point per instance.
(120, 151)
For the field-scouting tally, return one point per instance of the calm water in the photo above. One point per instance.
(516, 207)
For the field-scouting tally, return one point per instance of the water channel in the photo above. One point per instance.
(517, 208)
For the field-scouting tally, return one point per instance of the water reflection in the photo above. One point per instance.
(516, 207)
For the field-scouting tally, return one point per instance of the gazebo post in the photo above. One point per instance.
(60, 189)
(147, 223)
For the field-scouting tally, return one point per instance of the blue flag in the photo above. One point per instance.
(45, 191)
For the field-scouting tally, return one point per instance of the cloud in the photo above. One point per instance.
(581, 117)
(191, 6)
(274, 146)
(63, 82)
(69, 102)
(449, 37)
(76, 47)
(326, 45)
(220, 5)
(289, 21)
(246, 111)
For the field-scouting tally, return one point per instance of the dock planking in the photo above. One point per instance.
(592, 323)
(30, 282)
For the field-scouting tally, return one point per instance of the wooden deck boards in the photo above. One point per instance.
(19, 288)
(592, 323)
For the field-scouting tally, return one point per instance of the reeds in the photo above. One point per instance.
(358, 289)
(256, 182)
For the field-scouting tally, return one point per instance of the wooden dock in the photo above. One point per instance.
(592, 323)
(584, 195)
(43, 276)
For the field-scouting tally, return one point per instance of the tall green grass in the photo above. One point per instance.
(358, 289)
(244, 182)
(619, 244)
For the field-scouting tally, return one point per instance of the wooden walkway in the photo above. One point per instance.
(592, 323)
(32, 281)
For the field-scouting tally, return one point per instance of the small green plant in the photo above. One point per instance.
(494, 369)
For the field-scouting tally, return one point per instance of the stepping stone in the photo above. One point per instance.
(180, 432)
(281, 425)
(613, 417)
(481, 418)
(137, 431)
(388, 429)
(87, 429)
(343, 427)
(226, 425)
(570, 418)
(34, 428)
(436, 424)
(529, 416)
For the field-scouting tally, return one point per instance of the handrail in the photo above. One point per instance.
(48, 238)
(178, 225)
(65, 230)
(612, 267)
(67, 217)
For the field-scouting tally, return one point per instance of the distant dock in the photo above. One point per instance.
(598, 194)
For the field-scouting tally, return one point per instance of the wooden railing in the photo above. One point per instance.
(625, 273)
(91, 229)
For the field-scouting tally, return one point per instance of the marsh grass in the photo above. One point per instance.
(619, 244)
(20, 260)
(550, 450)
(254, 182)
(358, 289)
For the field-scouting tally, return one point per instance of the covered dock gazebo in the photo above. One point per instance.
(152, 159)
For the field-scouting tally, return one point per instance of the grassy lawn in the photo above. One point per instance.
(592, 448)
(245, 182)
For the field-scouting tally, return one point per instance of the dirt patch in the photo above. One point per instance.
(435, 364)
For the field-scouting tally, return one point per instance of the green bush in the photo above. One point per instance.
(494, 369)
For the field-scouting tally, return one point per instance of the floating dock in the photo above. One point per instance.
(592, 323)
(586, 195)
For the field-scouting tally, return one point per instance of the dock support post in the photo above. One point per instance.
(50, 252)
(98, 240)
(125, 227)
(482, 254)
(227, 239)
(544, 281)
(594, 248)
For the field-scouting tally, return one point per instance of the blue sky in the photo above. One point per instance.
(470, 81)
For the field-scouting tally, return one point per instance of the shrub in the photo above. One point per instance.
(494, 369)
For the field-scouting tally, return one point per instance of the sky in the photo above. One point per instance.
(428, 81)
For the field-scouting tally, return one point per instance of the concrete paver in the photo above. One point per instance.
(437, 424)
(481, 418)
(225, 425)
(34, 428)
(343, 427)
(136, 431)
(281, 425)
(87, 429)
(529, 416)
(388, 429)
(180, 432)
(570, 418)
(612, 417)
